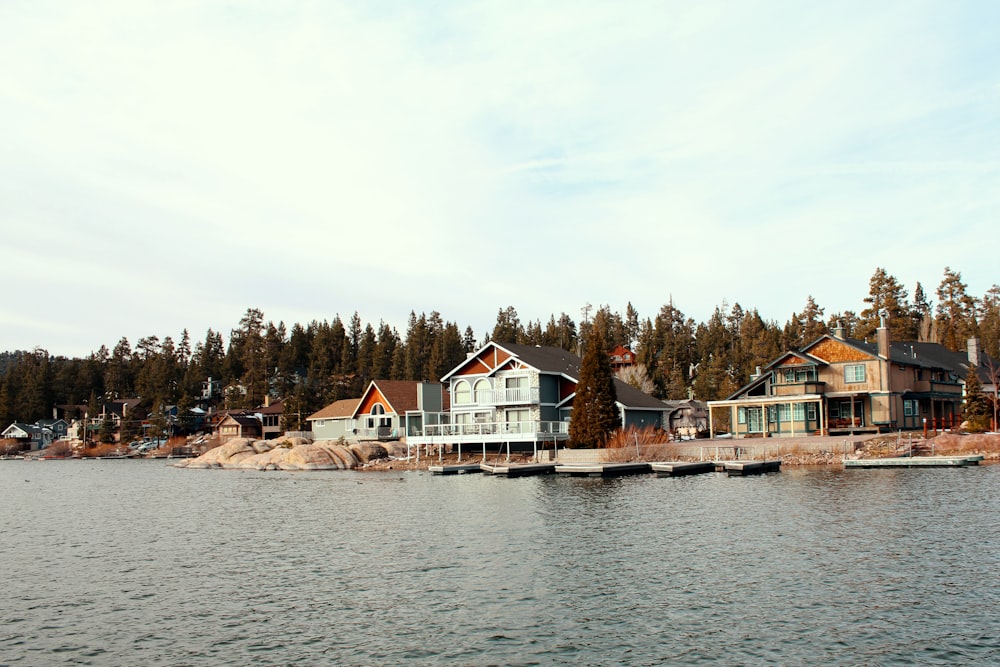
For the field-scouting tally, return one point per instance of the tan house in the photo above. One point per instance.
(842, 385)
(239, 425)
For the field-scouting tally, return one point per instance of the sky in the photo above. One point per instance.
(168, 165)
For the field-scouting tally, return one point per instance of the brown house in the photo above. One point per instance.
(842, 385)
(239, 425)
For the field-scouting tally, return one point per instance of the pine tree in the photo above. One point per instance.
(887, 297)
(978, 411)
(989, 323)
(956, 312)
(595, 414)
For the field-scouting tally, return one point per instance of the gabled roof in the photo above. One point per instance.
(28, 429)
(275, 408)
(933, 356)
(337, 410)
(243, 419)
(800, 359)
(555, 361)
(543, 359)
(630, 397)
(400, 395)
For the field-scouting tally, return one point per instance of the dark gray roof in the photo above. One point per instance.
(558, 360)
(932, 356)
(547, 359)
(631, 397)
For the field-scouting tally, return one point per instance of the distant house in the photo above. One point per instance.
(239, 425)
(335, 421)
(29, 436)
(116, 412)
(270, 415)
(58, 427)
(686, 419)
(842, 385)
(621, 357)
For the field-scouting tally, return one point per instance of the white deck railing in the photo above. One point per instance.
(526, 428)
(491, 397)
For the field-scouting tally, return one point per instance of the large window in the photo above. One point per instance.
(463, 393)
(483, 392)
(854, 373)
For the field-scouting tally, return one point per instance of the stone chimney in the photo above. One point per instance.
(972, 345)
(838, 331)
(882, 335)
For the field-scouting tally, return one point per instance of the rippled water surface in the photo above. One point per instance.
(134, 562)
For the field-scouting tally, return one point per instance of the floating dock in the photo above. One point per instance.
(456, 469)
(916, 462)
(602, 469)
(743, 468)
(518, 469)
(680, 468)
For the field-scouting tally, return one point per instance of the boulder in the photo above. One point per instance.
(369, 451)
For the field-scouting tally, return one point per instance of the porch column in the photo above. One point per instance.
(711, 429)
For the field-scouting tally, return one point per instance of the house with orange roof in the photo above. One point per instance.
(387, 410)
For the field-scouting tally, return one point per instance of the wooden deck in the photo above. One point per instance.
(455, 469)
(602, 469)
(680, 468)
(518, 469)
(743, 468)
(916, 462)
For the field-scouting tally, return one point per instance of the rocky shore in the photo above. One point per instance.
(303, 454)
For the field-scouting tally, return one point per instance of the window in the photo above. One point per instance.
(803, 375)
(741, 415)
(482, 391)
(798, 412)
(463, 393)
(854, 373)
(910, 408)
(789, 376)
(811, 411)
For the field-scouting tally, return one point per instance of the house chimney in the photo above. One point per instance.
(973, 349)
(838, 331)
(882, 336)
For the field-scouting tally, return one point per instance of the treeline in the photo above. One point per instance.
(312, 365)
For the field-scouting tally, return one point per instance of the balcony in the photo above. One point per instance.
(495, 397)
(798, 388)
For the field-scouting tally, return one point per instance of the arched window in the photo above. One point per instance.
(377, 409)
(483, 392)
(463, 393)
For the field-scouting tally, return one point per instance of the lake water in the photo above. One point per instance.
(135, 562)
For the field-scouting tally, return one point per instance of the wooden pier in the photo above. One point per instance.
(518, 469)
(680, 468)
(916, 462)
(744, 468)
(602, 469)
(459, 469)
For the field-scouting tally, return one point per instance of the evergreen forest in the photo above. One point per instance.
(311, 365)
